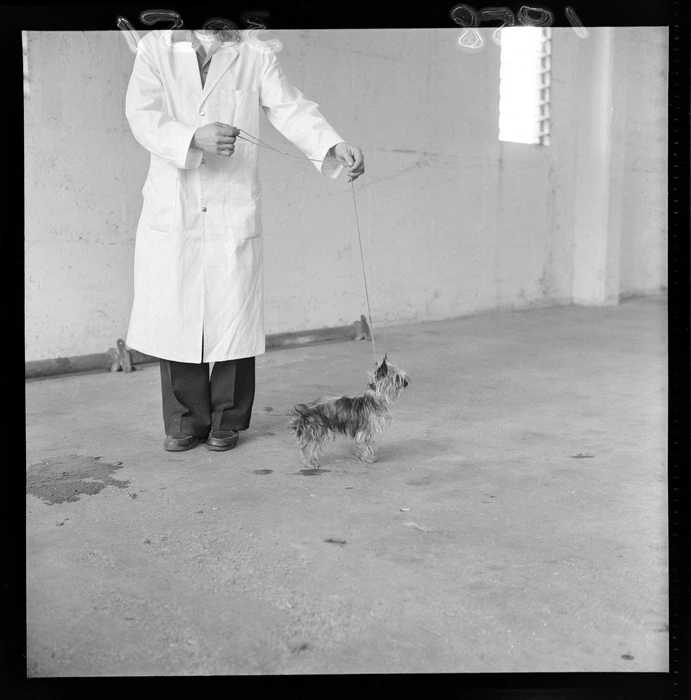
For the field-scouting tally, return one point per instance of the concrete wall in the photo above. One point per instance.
(83, 176)
(643, 102)
(620, 120)
(453, 221)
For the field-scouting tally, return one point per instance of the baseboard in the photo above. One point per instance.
(103, 361)
(629, 296)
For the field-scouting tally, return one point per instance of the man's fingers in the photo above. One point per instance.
(355, 162)
(232, 130)
(226, 130)
(225, 150)
(354, 173)
(226, 138)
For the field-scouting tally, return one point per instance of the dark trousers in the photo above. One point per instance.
(194, 403)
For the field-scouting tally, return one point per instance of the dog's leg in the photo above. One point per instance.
(365, 447)
(309, 451)
(309, 455)
(365, 438)
(307, 443)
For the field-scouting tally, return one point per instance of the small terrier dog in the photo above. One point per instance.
(361, 417)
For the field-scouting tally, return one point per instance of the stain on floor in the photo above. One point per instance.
(419, 481)
(70, 477)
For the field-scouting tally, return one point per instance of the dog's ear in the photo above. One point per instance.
(383, 368)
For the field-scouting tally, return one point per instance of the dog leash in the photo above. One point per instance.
(257, 142)
(364, 276)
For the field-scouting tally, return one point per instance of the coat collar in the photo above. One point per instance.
(223, 56)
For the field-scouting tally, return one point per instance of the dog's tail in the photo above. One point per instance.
(306, 424)
(297, 416)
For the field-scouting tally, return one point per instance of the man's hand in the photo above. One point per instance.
(351, 157)
(216, 138)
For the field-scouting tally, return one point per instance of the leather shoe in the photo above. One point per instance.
(179, 443)
(221, 440)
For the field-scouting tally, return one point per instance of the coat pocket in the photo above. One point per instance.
(160, 194)
(243, 210)
(239, 108)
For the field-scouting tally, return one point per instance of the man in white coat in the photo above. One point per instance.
(198, 285)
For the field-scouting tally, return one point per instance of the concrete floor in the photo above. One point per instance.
(480, 542)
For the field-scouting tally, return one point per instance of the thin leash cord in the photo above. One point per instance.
(256, 142)
(364, 276)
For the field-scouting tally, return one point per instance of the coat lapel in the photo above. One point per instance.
(223, 57)
(189, 66)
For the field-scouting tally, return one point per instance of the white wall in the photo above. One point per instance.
(453, 221)
(643, 101)
(83, 177)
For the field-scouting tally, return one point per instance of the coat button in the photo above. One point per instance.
(203, 160)
(202, 113)
(203, 208)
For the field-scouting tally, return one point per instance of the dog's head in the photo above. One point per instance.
(387, 381)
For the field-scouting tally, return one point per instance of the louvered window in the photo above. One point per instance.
(524, 85)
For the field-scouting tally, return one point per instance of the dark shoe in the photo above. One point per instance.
(179, 443)
(221, 440)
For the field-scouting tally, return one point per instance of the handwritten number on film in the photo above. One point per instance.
(252, 19)
(468, 17)
(465, 16)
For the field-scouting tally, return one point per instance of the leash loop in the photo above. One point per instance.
(257, 142)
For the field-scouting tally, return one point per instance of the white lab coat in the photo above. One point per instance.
(198, 252)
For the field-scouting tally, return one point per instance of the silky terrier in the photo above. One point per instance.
(361, 417)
